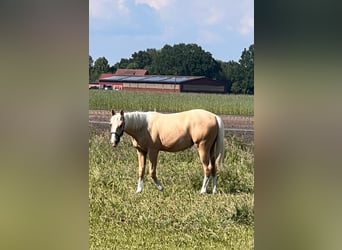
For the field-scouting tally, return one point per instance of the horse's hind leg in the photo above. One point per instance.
(212, 168)
(153, 155)
(205, 159)
(213, 174)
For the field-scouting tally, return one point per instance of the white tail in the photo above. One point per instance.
(219, 145)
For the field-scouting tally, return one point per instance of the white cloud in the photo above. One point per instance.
(246, 25)
(122, 6)
(228, 14)
(209, 37)
(107, 9)
(213, 15)
(232, 15)
(155, 4)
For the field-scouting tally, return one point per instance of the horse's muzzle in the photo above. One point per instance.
(115, 143)
(116, 139)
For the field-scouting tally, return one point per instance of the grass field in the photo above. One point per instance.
(171, 102)
(177, 218)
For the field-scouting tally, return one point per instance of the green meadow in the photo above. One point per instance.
(171, 102)
(179, 217)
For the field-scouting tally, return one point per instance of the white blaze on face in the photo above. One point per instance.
(112, 138)
(114, 124)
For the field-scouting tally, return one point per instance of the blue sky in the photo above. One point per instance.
(118, 28)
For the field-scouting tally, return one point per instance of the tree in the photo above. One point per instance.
(236, 88)
(112, 69)
(122, 64)
(91, 68)
(230, 72)
(100, 66)
(185, 59)
(141, 59)
(240, 75)
(247, 67)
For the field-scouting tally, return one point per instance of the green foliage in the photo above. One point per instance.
(142, 59)
(177, 218)
(99, 66)
(184, 59)
(230, 73)
(91, 69)
(171, 102)
(239, 75)
(247, 67)
(236, 88)
(123, 64)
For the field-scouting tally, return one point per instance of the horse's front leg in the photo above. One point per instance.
(142, 164)
(153, 155)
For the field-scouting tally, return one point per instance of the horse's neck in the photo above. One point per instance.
(136, 122)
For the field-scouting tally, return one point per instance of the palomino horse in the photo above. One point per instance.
(152, 132)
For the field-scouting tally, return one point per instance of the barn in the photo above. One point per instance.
(165, 83)
(103, 84)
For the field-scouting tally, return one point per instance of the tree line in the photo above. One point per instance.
(185, 59)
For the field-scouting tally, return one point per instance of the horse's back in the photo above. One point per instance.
(191, 118)
(183, 129)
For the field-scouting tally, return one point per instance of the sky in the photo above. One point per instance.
(118, 28)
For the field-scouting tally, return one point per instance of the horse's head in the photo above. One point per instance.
(117, 123)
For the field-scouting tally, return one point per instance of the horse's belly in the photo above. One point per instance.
(174, 145)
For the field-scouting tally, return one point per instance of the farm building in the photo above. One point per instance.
(118, 85)
(164, 83)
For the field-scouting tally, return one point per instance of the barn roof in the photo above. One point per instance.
(104, 75)
(150, 78)
(138, 72)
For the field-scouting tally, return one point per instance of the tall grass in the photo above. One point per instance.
(171, 102)
(177, 218)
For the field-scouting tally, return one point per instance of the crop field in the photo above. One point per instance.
(179, 217)
(171, 102)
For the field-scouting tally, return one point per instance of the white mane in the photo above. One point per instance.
(137, 120)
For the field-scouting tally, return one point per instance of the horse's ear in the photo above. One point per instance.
(113, 112)
(121, 112)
